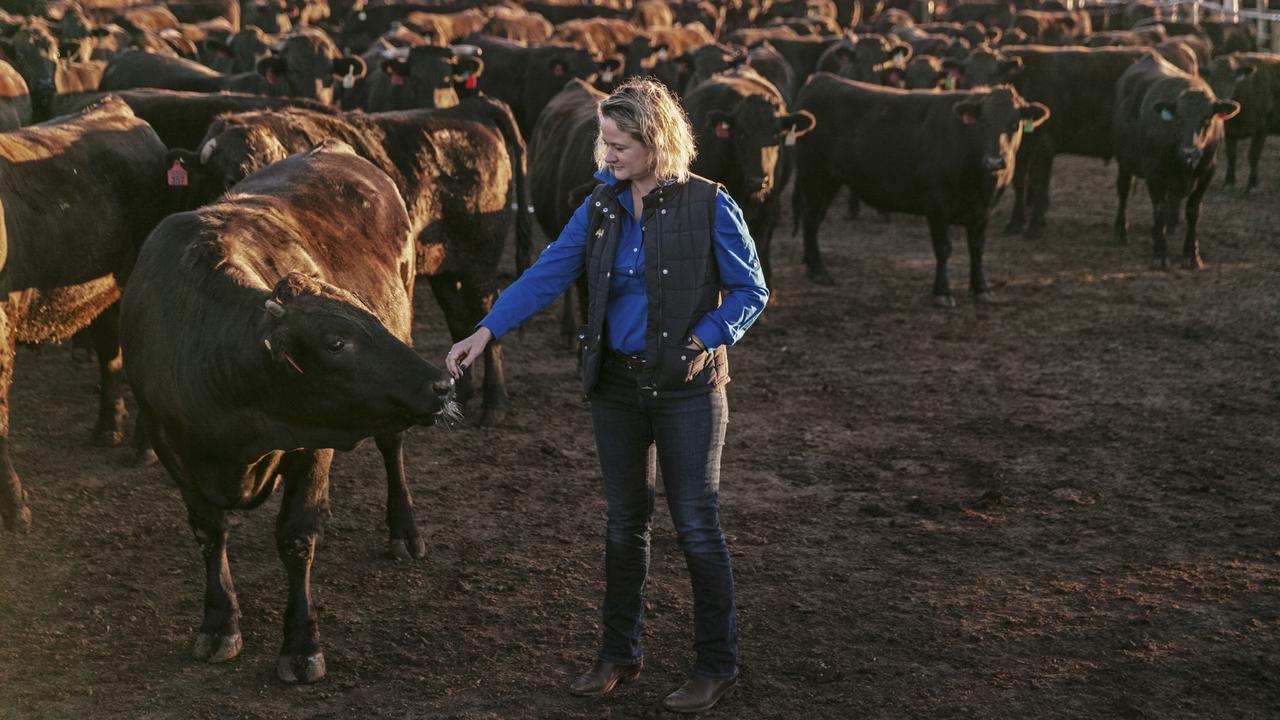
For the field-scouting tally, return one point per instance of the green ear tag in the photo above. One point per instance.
(950, 83)
(1029, 126)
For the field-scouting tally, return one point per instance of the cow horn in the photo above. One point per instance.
(275, 308)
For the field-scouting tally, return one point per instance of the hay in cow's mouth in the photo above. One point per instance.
(450, 414)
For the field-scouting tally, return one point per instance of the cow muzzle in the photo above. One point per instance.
(994, 163)
(1191, 156)
(450, 412)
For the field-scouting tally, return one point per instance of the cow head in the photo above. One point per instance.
(418, 77)
(998, 118)
(1192, 121)
(927, 73)
(338, 374)
(748, 138)
(229, 152)
(1225, 73)
(35, 57)
(987, 68)
(301, 65)
(866, 59)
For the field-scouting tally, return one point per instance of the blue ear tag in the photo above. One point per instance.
(1029, 126)
(1166, 116)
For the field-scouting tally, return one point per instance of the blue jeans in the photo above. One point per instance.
(684, 435)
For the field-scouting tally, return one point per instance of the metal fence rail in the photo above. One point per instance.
(1266, 22)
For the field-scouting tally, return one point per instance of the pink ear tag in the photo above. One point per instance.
(271, 76)
(470, 84)
(557, 70)
(177, 175)
(722, 130)
(397, 80)
(968, 119)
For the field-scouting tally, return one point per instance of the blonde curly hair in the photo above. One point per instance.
(646, 110)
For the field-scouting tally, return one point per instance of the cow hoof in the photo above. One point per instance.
(1193, 263)
(492, 417)
(821, 277)
(145, 458)
(212, 648)
(1160, 263)
(108, 438)
(414, 548)
(944, 301)
(984, 298)
(294, 670)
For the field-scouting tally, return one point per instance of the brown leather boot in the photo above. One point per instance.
(603, 676)
(698, 694)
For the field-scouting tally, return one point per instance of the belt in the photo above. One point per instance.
(634, 363)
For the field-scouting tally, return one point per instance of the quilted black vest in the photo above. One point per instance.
(682, 282)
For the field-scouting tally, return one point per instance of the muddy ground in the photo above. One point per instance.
(1062, 506)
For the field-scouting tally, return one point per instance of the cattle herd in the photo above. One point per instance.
(232, 200)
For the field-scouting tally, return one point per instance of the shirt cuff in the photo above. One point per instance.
(709, 332)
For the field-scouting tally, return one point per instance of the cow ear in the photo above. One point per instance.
(1036, 112)
(798, 123)
(1011, 67)
(721, 123)
(350, 65)
(1226, 109)
(968, 111)
(994, 34)
(272, 68)
(1244, 71)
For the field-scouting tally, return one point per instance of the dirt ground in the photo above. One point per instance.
(1062, 506)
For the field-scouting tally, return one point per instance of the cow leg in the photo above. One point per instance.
(1191, 244)
(1021, 168)
(1159, 217)
(1039, 175)
(302, 511)
(105, 329)
(13, 499)
(219, 639)
(817, 199)
(1255, 154)
(1124, 191)
(404, 543)
(1229, 149)
(938, 233)
(477, 299)
(444, 287)
(976, 237)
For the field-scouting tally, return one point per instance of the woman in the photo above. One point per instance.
(658, 245)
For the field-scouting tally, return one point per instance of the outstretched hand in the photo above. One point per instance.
(465, 351)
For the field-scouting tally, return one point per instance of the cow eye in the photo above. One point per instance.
(335, 345)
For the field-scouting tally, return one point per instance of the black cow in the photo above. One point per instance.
(138, 69)
(744, 135)
(1167, 129)
(182, 118)
(867, 58)
(1078, 86)
(561, 169)
(526, 78)
(79, 195)
(15, 101)
(410, 78)
(262, 332)
(1253, 80)
(454, 174)
(944, 155)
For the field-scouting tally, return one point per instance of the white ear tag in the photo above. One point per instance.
(606, 76)
(349, 80)
(662, 54)
(791, 138)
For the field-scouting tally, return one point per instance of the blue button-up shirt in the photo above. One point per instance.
(628, 310)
